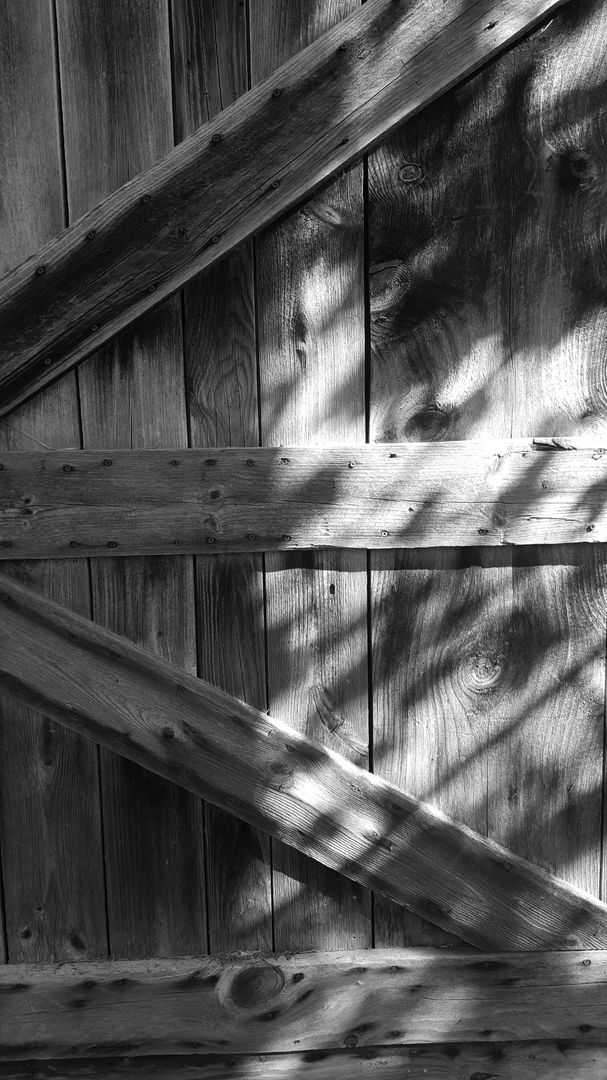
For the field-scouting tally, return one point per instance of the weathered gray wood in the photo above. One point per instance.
(550, 800)
(210, 65)
(264, 1002)
(311, 333)
(132, 393)
(267, 773)
(126, 502)
(238, 173)
(490, 696)
(557, 1060)
(50, 814)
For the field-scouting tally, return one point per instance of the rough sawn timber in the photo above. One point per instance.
(239, 172)
(313, 1001)
(410, 495)
(556, 1059)
(276, 779)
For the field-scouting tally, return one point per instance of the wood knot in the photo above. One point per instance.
(255, 987)
(389, 282)
(434, 421)
(482, 672)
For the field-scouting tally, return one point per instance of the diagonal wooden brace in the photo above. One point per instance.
(180, 727)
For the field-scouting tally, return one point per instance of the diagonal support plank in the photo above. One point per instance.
(140, 706)
(145, 502)
(235, 175)
(264, 1002)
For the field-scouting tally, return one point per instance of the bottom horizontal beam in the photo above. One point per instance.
(261, 1004)
(550, 1060)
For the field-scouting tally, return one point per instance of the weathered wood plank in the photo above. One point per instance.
(558, 1060)
(146, 240)
(50, 818)
(404, 495)
(561, 1060)
(485, 705)
(311, 333)
(132, 393)
(210, 65)
(277, 779)
(314, 1001)
(558, 202)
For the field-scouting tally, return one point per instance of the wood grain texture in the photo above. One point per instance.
(556, 277)
(310, 297)
(145, 241)
(210, 64)
(266, 772)
(314, 1001)
(50, 819)
(405, 496)
(558, 1060)
(483, 639)
(117, 118)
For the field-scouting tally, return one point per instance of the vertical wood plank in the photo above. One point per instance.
(497, 659)
(50, 818)
(439, 244)
(310, 293)
(210, 66)
(546, 790)
(116, 85)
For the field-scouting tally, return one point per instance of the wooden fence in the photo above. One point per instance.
(448, 292)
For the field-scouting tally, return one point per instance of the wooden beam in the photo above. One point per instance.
(261, 1003)
(239, 172)
(207, 741)
(135, 502)
(558, 1059)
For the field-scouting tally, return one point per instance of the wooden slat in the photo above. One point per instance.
(268, 1002)
(267, 773)
(145, 241)
(489, 674)
(210, 64)
(50, 815)
(557, 755)
(132, 393)
(557, 1060)
(129, 502)
(311, 333)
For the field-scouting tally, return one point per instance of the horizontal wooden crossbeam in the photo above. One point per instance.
(556, 1059)
(316, 1001)
(133, 502)
(144, 708)
(238, 173)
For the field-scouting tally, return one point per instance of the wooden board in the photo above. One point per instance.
(269, 774)
(132, 393)
(210, 64)
(311, 353)
(209, 194)
(50, 816)
(482, 663)
(558, 1060)
(316, 1001)
(557, 755)
(402, 496)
